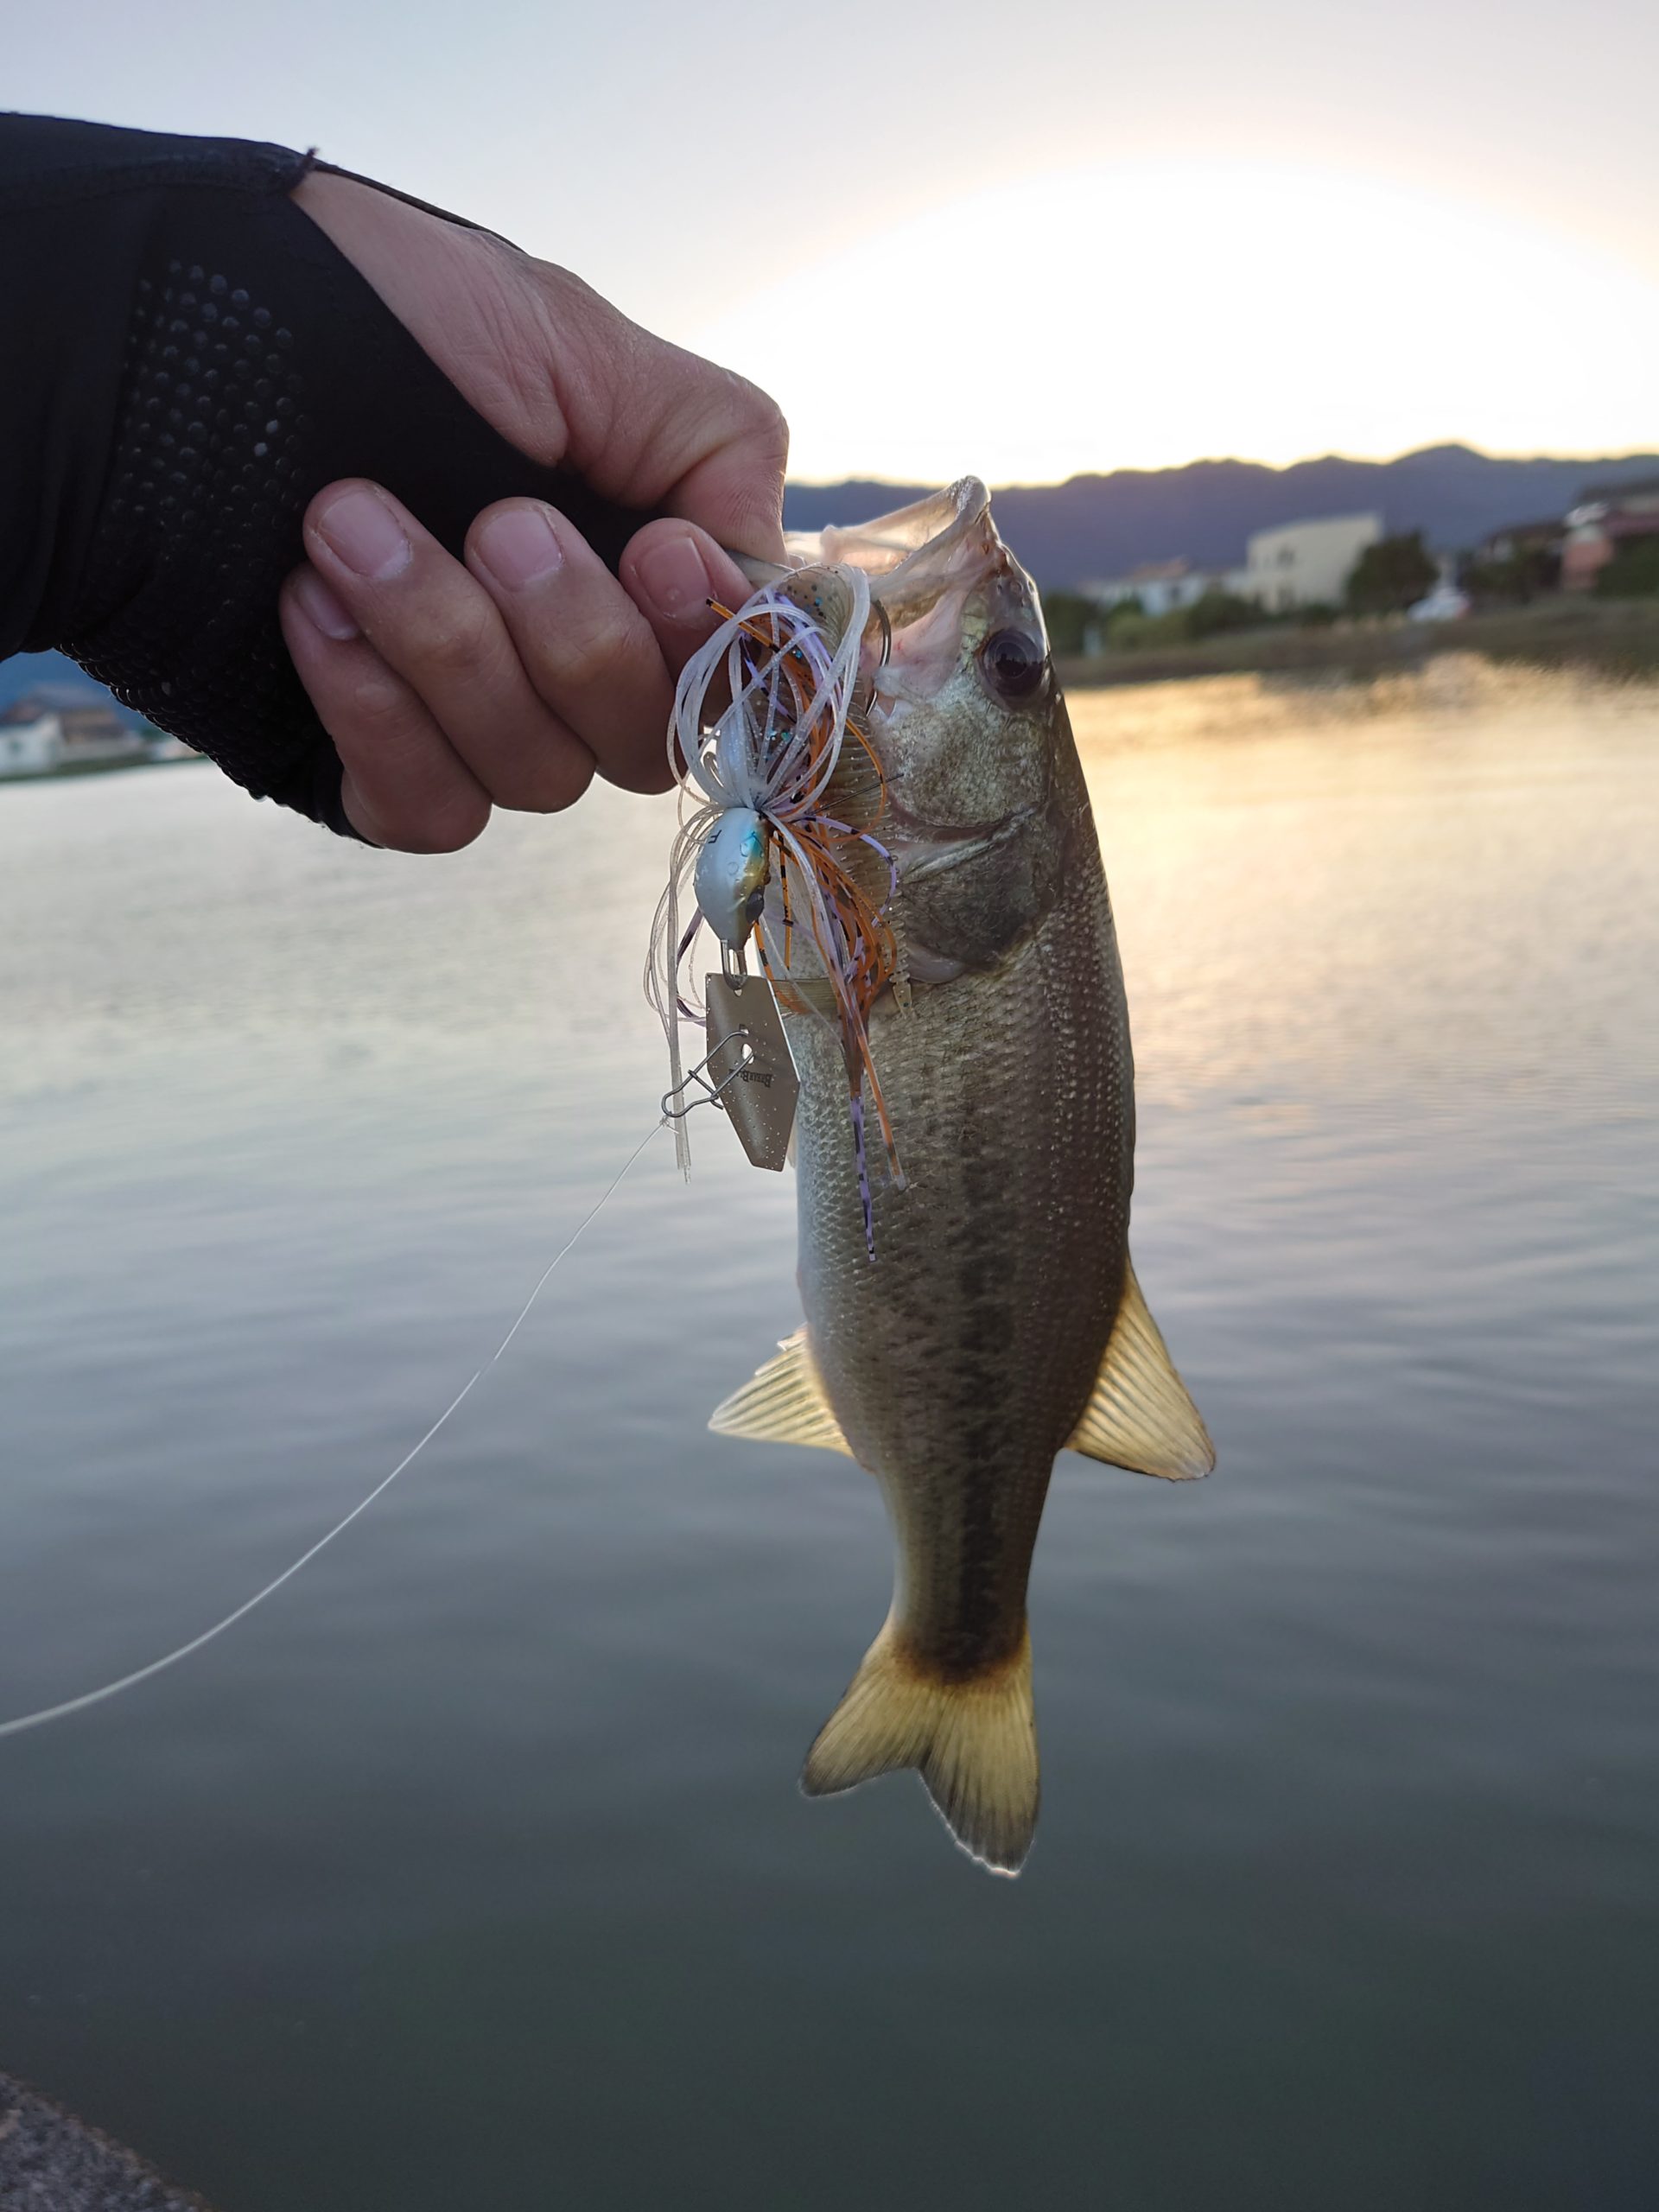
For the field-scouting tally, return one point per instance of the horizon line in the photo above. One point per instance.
(1238, 460)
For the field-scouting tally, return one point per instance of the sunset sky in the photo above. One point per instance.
(1022, 242)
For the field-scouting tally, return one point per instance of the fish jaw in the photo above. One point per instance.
(904, 550)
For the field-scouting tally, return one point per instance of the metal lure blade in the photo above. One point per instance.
(751, 1064)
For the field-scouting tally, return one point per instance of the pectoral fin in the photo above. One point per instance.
(1139, 1415)
(783, 1402)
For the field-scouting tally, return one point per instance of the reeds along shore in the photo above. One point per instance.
(1621, 636)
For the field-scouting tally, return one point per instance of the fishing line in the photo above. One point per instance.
(61, 1711)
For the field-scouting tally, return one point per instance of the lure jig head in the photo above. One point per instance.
(730, 876)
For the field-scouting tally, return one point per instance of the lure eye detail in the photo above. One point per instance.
(1013, 664)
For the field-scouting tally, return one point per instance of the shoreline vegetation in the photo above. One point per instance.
(1618, 636)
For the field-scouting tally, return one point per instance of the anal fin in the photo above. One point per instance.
(783, 1402)
(1139, 1415)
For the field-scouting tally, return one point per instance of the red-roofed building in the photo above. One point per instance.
(1604, 521)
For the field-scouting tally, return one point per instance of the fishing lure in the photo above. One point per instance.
(782, 796)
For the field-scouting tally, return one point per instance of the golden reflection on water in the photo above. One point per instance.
(1426, 880)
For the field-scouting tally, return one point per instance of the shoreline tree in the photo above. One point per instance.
(1391, 576)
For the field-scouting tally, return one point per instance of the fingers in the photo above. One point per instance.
(585, 647)
(448, 688)
(438, 630)
(404, 784)
(672, 571)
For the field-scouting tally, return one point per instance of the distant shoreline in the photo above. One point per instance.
(1621, 636)
(74, 771)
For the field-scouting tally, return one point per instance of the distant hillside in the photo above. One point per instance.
(1103, 526)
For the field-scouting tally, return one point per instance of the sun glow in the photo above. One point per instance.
(1143, 316)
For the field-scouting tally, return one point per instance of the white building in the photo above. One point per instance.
(33, 748)
(1304, 563)
(1160, 586)
(63, 729)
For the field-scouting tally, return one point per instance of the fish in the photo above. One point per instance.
(968, 1319)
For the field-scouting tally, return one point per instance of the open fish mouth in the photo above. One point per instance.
(950, 528)
(911, 556)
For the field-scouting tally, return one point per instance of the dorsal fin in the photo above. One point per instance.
(781, 1402)
(1139, 1415)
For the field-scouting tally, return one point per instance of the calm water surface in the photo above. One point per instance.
(471, 1870)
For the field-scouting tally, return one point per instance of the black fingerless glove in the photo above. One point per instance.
(186, 359)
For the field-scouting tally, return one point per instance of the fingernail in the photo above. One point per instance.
(322, 608)
(676, 579)
(519, 546)
(365, 534)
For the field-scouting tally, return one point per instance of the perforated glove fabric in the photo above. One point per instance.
(184, 360)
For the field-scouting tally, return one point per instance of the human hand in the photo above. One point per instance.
(450, 687)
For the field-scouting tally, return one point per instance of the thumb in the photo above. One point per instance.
(653, 425)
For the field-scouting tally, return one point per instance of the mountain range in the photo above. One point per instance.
(1100, 526)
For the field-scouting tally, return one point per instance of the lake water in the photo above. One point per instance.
(471, 1870)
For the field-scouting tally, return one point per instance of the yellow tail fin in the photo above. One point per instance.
(974, 1744)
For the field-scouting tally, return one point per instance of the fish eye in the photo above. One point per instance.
(1013, 664)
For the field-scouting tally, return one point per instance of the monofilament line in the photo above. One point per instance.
(107, 1690)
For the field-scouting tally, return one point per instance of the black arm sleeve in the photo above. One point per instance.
(185, 359)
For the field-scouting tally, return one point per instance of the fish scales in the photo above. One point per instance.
(998, 1267)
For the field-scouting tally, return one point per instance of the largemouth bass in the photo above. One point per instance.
(999, 1320)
